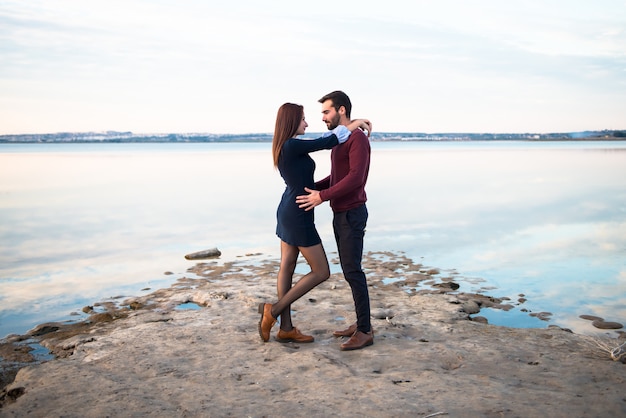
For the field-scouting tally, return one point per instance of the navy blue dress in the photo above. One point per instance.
(296, 226)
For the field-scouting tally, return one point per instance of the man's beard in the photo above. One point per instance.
(333, 123)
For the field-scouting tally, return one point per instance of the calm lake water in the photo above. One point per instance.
(80, 223)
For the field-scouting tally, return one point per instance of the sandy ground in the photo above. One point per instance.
(143, 357)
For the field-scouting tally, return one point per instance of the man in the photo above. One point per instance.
(345, 189)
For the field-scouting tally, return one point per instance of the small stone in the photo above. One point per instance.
(210, 253)
(447, 286)
(591, 318)
(544, 316)
(44, 329)
(470, 307)
(135, 305)
(15, 393)
(382, 313)
(101, 317)
(606, 324)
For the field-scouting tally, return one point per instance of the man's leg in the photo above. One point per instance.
(349, 230)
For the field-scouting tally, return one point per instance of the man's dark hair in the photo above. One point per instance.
(339, 98)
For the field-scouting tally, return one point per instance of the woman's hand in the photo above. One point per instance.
(364, 124)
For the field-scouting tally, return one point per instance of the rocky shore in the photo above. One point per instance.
(193, 350)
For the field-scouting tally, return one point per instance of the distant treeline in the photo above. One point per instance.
(119, 137)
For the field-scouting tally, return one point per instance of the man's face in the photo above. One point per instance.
(329, 115)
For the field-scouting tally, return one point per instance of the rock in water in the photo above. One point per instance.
(606, 324)
(200, 255)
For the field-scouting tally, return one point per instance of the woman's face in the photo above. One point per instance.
(303, 125)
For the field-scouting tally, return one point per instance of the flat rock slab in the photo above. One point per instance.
(427, 359)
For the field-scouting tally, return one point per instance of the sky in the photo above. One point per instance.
(198, 66)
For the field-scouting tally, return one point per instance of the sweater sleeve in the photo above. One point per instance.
(322, 184)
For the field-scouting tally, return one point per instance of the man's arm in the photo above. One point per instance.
(313, 198)
(323, 184)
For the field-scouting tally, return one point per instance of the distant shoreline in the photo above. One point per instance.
(129, 137)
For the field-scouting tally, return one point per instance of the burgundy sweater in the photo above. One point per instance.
(350, 164)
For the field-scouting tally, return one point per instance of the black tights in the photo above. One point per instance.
(289, 293)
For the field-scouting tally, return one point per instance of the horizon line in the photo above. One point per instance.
(115, 132)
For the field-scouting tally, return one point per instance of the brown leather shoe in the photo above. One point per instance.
(346, 332)
(293, 336)
(267, 321)
(358, 340)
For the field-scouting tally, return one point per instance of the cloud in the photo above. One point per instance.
(184, 66)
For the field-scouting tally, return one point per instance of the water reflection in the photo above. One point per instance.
(84, 222)
(549, 223)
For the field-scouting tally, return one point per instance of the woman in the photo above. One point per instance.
(295, 227)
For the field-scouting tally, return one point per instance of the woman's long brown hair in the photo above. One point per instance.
(287, 121)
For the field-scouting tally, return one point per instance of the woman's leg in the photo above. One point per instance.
(288, 257)
(320, 271)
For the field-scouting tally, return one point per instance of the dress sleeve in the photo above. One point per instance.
(305, 146)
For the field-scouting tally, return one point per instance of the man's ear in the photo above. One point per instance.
(342, 110)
